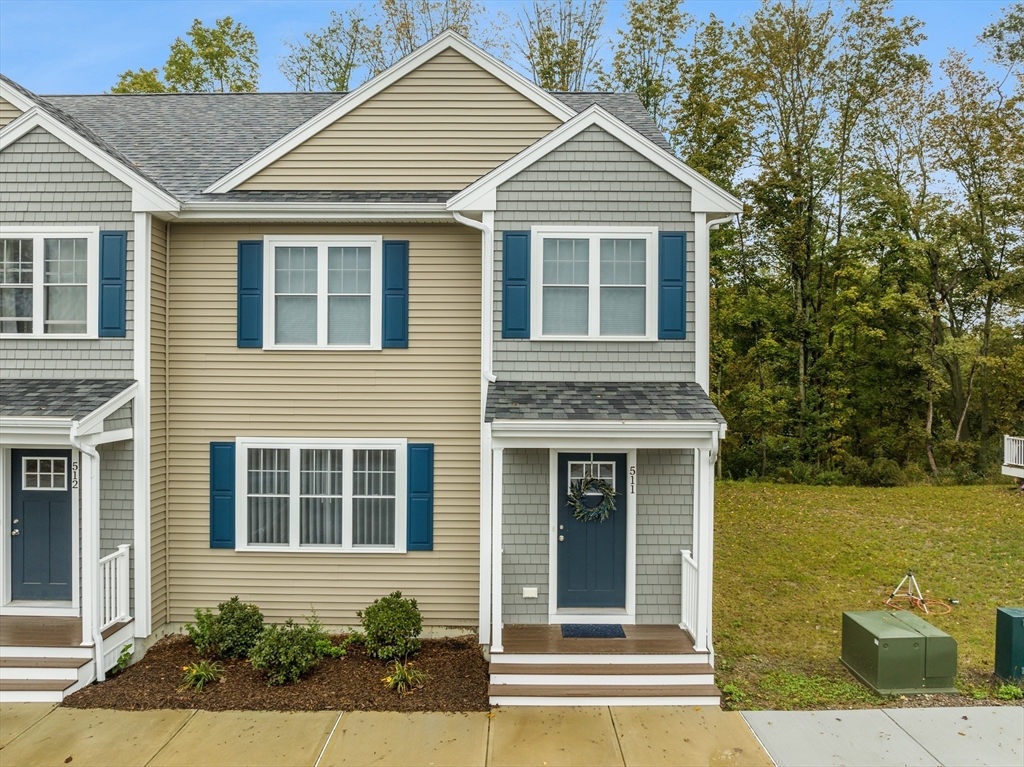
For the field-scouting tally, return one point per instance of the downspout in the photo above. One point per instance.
(91, 550)
(486, 228)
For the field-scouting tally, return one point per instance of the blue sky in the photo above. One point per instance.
(80, 46)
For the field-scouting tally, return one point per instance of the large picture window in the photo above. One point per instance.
(326, 292)
(47, 282)
(321, 494)
(595, 282)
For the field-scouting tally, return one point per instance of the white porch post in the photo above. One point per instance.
(709, 540)
(704, 499)
(90, 564)
(497, 458)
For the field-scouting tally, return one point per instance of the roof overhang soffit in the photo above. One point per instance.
(577, 434)
(56, 430)
(444, 41)
(146, 197)
(706, 196)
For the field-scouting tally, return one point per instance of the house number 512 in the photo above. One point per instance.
(632, 480)
(74, 474)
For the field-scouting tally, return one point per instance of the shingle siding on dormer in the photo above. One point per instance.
(47, 183)
(593, 179)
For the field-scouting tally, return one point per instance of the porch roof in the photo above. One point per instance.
(615, 401)
(73, 398)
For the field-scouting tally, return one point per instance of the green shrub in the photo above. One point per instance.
(391, 625)
(230, 633)
(1009, 692)
(287, 652)
(197, 675)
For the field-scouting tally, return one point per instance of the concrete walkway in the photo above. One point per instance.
(38, 734)
(32, 734)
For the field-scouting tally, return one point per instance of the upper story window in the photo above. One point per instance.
(325, 292)
(48, 282)
(595, 282)
(320, 494)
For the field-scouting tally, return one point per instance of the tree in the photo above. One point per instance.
(646, 52)
(221, 58)
(327, 59)
(560, 41)
(404, 25)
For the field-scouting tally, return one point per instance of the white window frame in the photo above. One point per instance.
(242, 446)
(37, 234)
(24, 473)
(322, 243)
(594, 234)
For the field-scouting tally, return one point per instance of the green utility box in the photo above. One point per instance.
(897, 652)
(1010, 643)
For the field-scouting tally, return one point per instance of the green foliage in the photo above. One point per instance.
(391, 625)
(560, 41)
(220, 58)
(815, 690)
(230, 633)
(124, 659)
(404, 677)
(1009, 692)
(287, 652)
(197, 675)
(733, 694)
(327, 58)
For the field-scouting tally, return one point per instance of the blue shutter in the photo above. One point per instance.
(250, 294)
(515, 285)
(113, 284)
(222, 495)
(672, 285)
(395, 304)
(420, 524)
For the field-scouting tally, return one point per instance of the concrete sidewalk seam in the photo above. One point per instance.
(910, 735)
(758, 739)
(328, 741)
(618, 741)
(37, 721)
(173, 735)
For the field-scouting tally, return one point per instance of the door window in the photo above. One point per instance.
(44, 474)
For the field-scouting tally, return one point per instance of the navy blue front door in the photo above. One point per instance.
(41, 524)
(592, 555)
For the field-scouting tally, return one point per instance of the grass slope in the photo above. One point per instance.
(790, 559)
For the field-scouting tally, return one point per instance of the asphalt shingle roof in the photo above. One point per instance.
(71, 398)
(329, 195)
(572, 401)
(186, 141)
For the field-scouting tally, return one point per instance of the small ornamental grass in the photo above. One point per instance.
(197, 675)
(404, 677)
(288, 652)
(391, 625)
(231, 633)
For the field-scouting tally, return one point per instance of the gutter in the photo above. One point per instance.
(487, 288)
(304, 211)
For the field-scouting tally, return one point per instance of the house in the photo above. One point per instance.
(313, 348)
(1013, 457)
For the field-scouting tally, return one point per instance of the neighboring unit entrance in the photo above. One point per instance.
(40, 524)
(592, 555)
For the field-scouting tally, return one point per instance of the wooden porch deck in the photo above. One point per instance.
(641, 639)
(41, 631)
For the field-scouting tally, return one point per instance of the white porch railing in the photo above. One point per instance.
(690, 593)
(114, 588)
(1013, 451)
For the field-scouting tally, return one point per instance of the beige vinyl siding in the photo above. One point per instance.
(8, 112)
(158, 422)
(442, 126)
(429, 392)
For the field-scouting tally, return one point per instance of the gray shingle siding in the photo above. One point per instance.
(47, 183)
(119, 419)
(117, 498)
(664, 526)
(594, 179)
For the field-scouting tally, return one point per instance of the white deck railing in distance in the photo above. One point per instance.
(690, 593)
(114, 588)
(1013, 451)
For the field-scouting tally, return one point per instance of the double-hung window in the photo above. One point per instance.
(48, 282)
(325, 292)
(317, 495)
(594, 283)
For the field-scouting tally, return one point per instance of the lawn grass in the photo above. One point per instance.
(790, 559)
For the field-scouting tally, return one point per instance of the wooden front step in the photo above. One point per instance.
(43, 662)
(609, 669)
(604, 695)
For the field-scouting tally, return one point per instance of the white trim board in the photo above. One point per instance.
(706, 196)
(15, 97)
(444, 41)
(146, 196)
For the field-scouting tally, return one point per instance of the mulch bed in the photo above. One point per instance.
(458, 682)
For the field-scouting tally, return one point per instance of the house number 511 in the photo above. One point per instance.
(74, 474)
(632, 480)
